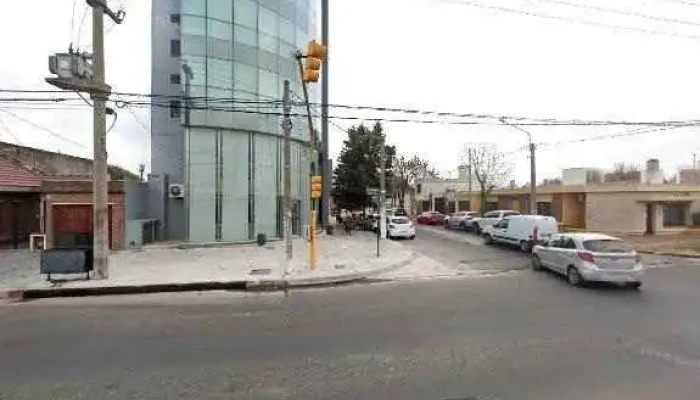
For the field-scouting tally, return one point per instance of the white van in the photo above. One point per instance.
(521, 230)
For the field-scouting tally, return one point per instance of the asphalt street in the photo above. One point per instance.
(523, 335)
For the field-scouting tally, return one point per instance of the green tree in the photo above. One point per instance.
(358, 166)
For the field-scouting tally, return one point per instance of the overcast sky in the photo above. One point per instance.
(430, 54)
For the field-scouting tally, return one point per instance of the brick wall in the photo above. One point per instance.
(116, 203)
(615, 212)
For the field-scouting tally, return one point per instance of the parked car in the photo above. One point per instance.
(589, 257)
(400, 226)
(490, 218)
(398, 212)
(523, 231)
(461, 220)
(430, 218)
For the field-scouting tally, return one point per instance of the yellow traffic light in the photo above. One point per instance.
(315, 53)
(316, 50)
(316, 186)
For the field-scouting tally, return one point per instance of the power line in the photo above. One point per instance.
(9, 131)
(82, 23)
(688, 3)
(623, 12)
(566, 19)
(44, 129)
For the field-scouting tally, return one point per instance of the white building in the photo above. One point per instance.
(440, 194)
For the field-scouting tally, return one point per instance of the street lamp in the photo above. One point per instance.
(533, 170)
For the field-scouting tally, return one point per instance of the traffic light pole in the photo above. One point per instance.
(325, 162)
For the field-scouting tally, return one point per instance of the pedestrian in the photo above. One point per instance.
(349, 225)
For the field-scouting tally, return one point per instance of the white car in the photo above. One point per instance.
(400, 227)
(589, 257)
(490, 218)
(523, 231)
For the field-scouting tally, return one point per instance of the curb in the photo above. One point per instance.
(17, 295)
(669, 254)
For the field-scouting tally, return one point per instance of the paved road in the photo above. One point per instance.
(519, 336)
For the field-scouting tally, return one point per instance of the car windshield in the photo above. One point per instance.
(606, 246)
(400, 221)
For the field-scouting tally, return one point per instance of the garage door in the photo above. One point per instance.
(72, 225)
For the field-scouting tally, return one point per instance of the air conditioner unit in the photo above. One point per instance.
(176, 191)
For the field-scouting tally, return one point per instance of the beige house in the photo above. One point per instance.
(611, 206)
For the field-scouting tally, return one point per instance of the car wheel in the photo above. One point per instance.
(536, 263)
(575, 278)
(463, 226)
(476, 228)
(634, 285)
(412, 237)
(488, 239)
(526, 246)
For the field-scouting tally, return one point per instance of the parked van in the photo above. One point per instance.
(523, 231)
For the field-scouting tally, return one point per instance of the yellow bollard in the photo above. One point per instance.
(312, 242)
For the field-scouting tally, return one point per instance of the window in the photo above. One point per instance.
(268, 84)
(175, 110)
(220, 9)
(175, 79)
(567, 243)
(194, 7)
(245, 77)
(606, 246)
(245, 13)
(175, 48)
(418, 188)
(219, 30)
(268, 43)
(503, 224)
(174, 18)
(511, 213)
(286, 32)
(245, 35)
(268, 22)
(491, 214)
(195, 26)
(400, 221)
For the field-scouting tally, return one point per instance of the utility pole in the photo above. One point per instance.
(86, 73)
(382, 188)
(287, 127)
(325, 162)
(533, 179)
(533, 167)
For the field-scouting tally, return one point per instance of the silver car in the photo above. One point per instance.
(461, 220)
(589, 257)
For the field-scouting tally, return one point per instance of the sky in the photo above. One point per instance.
(496, 57)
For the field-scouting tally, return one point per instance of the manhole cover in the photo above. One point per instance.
(260, 271)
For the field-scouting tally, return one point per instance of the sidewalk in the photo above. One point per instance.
(342, 259)
(686, 244)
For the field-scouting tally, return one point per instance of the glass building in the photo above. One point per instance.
(226, 147)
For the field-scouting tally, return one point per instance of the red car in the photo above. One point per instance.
(430, 218)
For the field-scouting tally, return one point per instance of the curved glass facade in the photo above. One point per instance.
(240, 52)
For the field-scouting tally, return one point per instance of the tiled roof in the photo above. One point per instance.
(13, 174)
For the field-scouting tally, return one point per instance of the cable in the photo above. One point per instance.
(623, 12)
(688, 3)
(566, 19)
(114, 121)
(84, 99)
(82, 22)
(44, 129)
(72, 23)
(9, 131)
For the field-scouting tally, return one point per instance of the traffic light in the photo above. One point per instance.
(315, 53)
(316, 186)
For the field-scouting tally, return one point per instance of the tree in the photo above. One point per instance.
(490, 167)
(358, 166)
(624, 173)
(407, 172)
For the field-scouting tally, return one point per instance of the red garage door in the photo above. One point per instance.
(72, 224)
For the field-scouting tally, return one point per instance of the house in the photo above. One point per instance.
(44, 192)
(440, 194)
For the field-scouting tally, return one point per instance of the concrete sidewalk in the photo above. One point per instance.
(342, 259)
